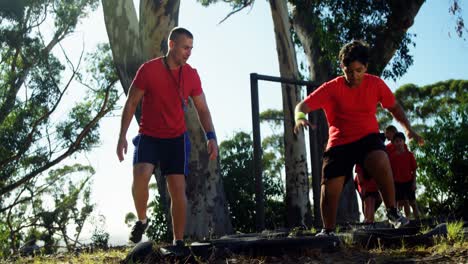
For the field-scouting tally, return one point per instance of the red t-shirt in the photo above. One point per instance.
(390, 147)
(351, 111)
(162, 110)
(403, 166)
(364, 185)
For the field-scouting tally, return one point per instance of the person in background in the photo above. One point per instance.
(404, 174)
(390, 131)
(369, 194)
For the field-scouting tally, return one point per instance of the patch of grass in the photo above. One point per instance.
(109, 256)
(455, 232)
(403, 245)
(313, 230)
(424, 229)
(420, 248)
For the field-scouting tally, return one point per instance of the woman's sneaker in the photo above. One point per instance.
(138, 230)
(325, 233)
(396, 219)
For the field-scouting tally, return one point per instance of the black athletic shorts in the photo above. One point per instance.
(171, 154)
(340, 160)
(404, 191)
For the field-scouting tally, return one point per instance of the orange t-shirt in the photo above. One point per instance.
(351, 111)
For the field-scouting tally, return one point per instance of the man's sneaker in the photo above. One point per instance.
(178, 249)
(396, 219)
(325, 233)
(138, 230)
(179, 243)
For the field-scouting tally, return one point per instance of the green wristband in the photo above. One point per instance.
(300, 115)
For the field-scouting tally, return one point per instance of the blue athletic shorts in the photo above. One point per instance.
(171, 154)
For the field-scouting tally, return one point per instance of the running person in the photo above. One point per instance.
(163, 85)
(350, 104)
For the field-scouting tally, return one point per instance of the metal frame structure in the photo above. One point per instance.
(257, 149)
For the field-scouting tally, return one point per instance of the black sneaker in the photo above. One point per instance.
(138, 230)
(325, 233)
(179, 243)
(396, 219)
(177, 250)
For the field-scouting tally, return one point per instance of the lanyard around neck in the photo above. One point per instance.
(180, 90)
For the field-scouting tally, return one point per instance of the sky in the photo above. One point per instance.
(225, 55)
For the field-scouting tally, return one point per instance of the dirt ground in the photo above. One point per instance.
(441, 253)
(359, 255)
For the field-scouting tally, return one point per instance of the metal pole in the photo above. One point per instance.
(315, 164)
(257, 154)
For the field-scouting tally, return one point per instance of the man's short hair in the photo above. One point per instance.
(391, 128)
(399, 135)
(179, 31)
(356, 50)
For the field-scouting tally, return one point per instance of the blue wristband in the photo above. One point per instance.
(210, 135)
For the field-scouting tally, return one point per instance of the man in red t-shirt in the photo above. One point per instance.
(369, 193)
(163, 86)
(350, 104)
(404, 175)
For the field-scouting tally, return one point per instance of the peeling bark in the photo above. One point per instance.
(297, 181)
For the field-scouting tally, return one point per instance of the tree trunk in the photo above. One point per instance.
(207, 214)
(320, 72)
(134, 42)
(297, 182)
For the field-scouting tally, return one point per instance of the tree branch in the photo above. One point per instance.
(29, 138)
(71, 149)
(245, 4)
(401, 18)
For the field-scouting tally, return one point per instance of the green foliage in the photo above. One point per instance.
(4, 234)
(443, 163)
(130, 218)
(427, 102)
(158, 229)
(338, 22)
(100, 238)
(439, 111)
(237, 172)
(455, 232)
(42, 123)
(384, 118)
(423, 104)
(46, 210)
